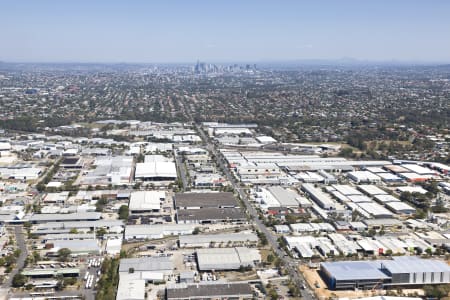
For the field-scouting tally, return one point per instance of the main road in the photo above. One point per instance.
(290, 264)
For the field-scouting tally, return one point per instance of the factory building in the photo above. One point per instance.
(226, 258)
(398, 271)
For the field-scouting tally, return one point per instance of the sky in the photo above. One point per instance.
(223, 30)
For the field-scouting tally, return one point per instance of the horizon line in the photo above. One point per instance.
(343, 60)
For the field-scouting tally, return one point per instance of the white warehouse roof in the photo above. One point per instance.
(146, 200)
(156, 170)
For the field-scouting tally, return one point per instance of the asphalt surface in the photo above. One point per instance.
(182, 171)
(290, 264)
(20, 241)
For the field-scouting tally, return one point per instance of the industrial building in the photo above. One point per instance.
(322, 199)
(411, 270)
(211, 215)
(84, 216)
(226, 258)
(218, 240)
(157, 231)
(203, 200)
(398, 271)
(152, 268)
(156, 171)
(114, 170)
(210, 291)
(131, 289)
(348, 275)
(146, 201)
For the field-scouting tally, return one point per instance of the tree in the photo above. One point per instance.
(270, 258)
(196, 230)
(101, 232)
(19, 280)
(124, 212)
(64, 254)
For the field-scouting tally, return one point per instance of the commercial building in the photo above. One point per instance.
(411, 270)
(218, 240)
(116, 170)
(322, 199)
(398, 271)
(157, 231)
(400, 207)
(131, 289)
(348, 275)
(146, 201)
(211, 215)
(205, 200)
(152, 268)
(364, 176)
(77, 247)
(51, 273)
(226, 258)
(81, 217)
(156, 171)
(210, 291)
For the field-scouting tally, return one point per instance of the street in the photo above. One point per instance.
(289, 263)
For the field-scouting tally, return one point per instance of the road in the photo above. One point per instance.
(20, 240)
(182, 170)
(290, 264)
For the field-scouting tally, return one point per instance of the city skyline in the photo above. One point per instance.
(254, 31)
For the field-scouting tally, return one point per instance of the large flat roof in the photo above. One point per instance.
(205, 200)
(221, 237)
(209, 290)
(354, 270)
(210, 213)
(146, 200)
(65, 217)
(412, 264)
(143, 264)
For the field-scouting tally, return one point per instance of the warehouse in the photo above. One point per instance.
(84, 216)
(131, 289)
(322, 199)
(226, 258)
(412, 189)
(349, 275)
(20, 172)
(238, 291)
(389, 177)
(202, 200)
(153, 268)
(52, 273)
(400, 208)
(146, 201)
(419, 169)
(211, 215)
(375, 209)
(114, 170)
(209, 240)
(414, 177)
(63, 227)
(371, 190)
(392, 224)
(411, 270)
(285, 197)
(386, 198)
(157, 231)
(77, 247)
(156, 171)
(364, 176)
(346, 190)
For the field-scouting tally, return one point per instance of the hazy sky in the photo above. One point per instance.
(228, 30)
